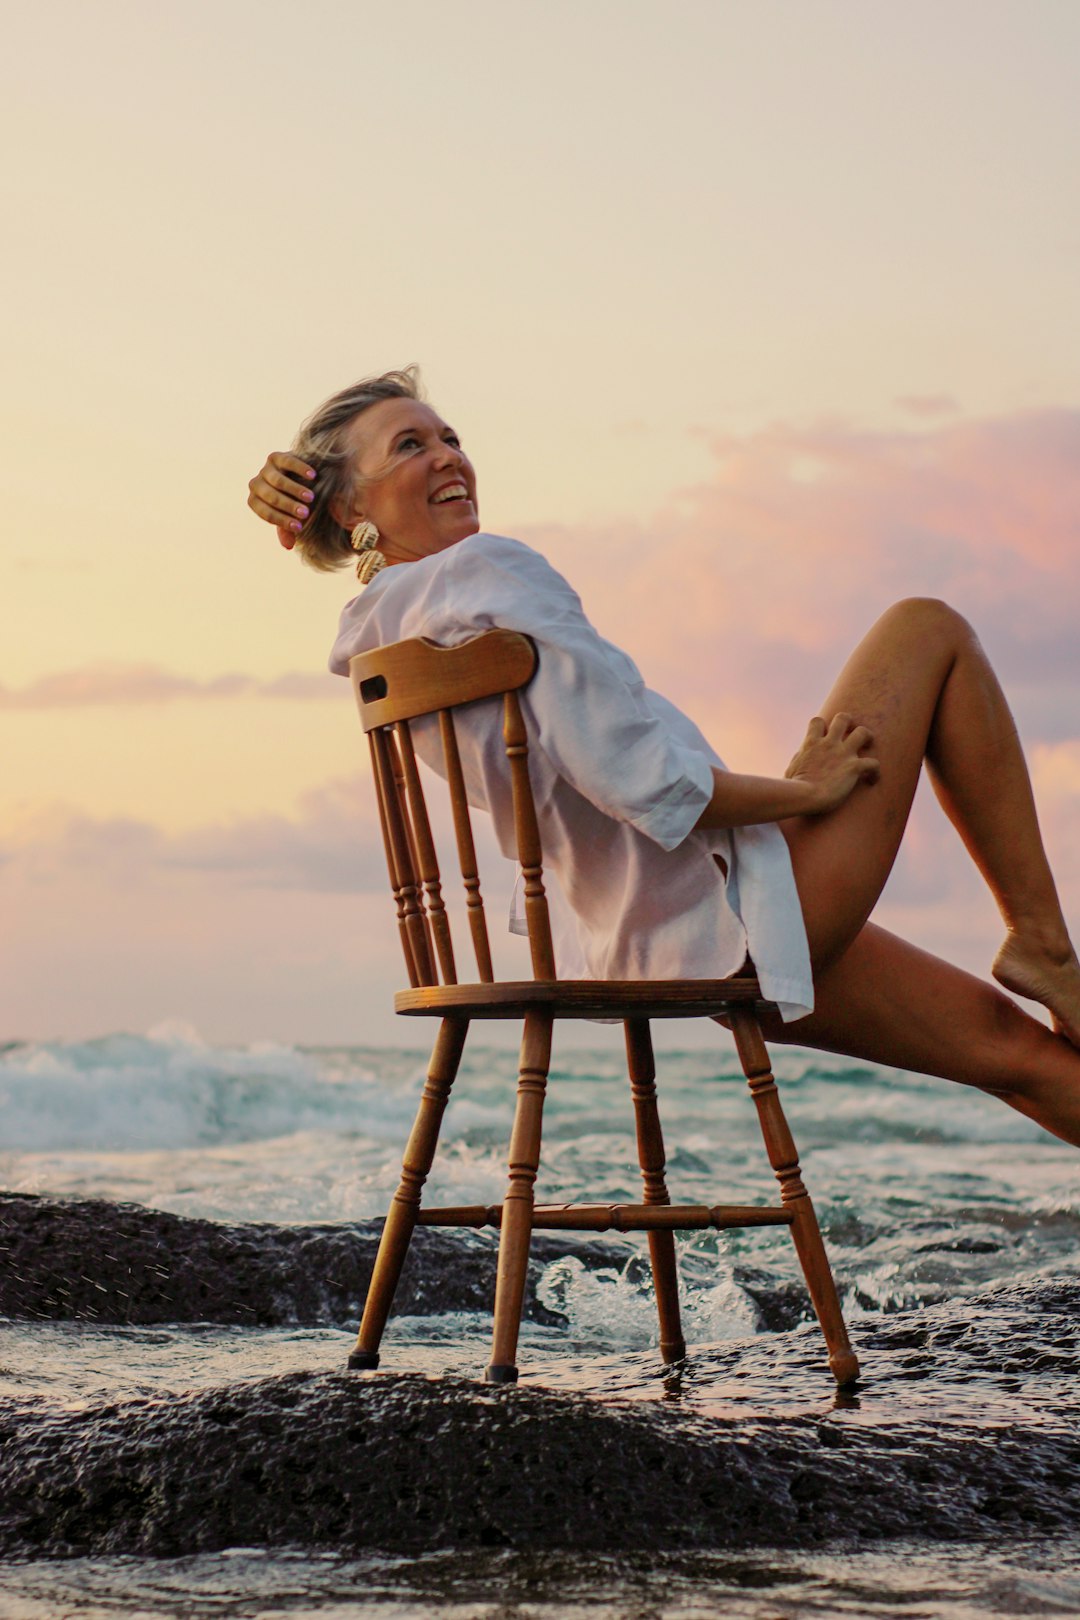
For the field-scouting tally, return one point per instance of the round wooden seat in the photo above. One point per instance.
(582, 998)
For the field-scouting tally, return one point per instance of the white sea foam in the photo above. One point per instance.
(168, 1089)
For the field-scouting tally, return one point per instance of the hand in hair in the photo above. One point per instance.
(280, 493)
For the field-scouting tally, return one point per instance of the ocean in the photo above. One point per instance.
(953, 1224)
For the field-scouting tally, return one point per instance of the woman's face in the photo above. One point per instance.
(424, 495)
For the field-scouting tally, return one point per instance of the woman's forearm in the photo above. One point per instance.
(744, 801)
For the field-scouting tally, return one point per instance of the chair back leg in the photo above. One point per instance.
(401, 1218)
(780, 1146)
(517, 1209)
(650, 1144)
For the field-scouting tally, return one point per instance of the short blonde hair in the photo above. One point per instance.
(321, 442)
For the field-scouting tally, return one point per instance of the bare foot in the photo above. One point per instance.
(1051, 978)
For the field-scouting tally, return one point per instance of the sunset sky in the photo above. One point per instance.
(753, 314)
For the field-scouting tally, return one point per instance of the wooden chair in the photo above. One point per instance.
(397, 684)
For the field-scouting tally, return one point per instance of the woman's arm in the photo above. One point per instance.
(828, 767)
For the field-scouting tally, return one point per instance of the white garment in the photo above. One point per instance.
(619, 774)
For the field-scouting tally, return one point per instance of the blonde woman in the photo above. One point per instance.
(669, 864)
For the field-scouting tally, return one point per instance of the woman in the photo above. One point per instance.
(795, 864)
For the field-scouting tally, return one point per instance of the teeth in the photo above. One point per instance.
(453, 492)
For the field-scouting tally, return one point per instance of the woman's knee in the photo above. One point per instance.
(928, 617)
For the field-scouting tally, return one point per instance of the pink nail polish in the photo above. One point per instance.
(296, 527)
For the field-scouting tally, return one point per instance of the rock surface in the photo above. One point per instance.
(964, 1425)
(95, 1261)
(407, 1465)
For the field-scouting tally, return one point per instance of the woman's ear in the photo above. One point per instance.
(343, 513)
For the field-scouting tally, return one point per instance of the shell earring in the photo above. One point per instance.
(365, 540)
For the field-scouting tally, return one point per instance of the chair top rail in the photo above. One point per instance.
(417, 677)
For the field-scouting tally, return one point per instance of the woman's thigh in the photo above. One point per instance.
(891, 683)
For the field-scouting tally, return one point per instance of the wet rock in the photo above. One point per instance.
(964, 1425)
(93, 1260)
(410, 1464)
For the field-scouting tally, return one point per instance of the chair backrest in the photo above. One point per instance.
(403, 682)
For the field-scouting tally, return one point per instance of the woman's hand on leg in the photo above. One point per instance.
(831, 762)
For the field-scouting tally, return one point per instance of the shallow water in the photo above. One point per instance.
(1035, 1577)
(928, 1195)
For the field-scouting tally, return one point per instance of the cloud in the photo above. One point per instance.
(928, 404)
(113, 684)
(744, 594)
(332, 844)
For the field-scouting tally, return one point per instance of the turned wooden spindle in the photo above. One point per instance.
(780, 1147)
(426, 859)
(650, 1144)
(463, 833)
(391, 867)
(528, 841)
(403, 1212)
(517, 1210)
(404, 870)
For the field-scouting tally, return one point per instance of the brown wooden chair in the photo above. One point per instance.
(393, 686)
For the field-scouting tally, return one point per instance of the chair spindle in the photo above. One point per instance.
(528, 840)
(404, 870)
(470, 873)
(399, 894)
(426, 858)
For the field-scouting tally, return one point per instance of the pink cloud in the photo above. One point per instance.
(332, 844)
(111, 684)
(928, 405)
(744, 594)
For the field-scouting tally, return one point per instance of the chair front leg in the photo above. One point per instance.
(401, 1217)
(517, 1209)
(780, 1146)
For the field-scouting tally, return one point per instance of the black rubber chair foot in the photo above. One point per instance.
(500, 1374)
(363, 1360)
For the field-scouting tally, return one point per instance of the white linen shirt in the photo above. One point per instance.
(619, 774)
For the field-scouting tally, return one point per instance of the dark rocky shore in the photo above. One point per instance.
(95, 1261)
(965, 1425)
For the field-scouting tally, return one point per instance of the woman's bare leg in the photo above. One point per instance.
(889, 1002)
(923, 685)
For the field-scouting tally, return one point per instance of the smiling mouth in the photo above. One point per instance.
(451, 492)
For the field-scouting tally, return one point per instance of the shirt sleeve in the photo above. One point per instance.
(587, 701)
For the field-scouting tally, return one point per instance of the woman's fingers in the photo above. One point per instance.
(289, 474)
(291, 518)
(281, 493)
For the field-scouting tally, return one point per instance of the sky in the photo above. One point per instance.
(754, 315)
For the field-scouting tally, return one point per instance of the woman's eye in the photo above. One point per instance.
(452, 438)
(404, 444)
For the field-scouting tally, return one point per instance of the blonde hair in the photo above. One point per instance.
(321, 442)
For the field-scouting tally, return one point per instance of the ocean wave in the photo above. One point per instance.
(168, 1089)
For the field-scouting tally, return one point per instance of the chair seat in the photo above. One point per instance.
(583, 998)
